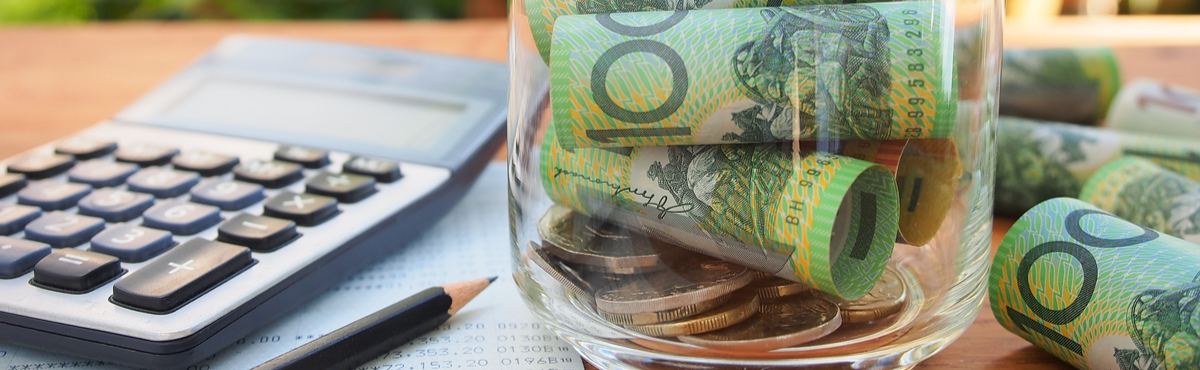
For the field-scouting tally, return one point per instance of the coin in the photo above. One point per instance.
(784, 323)
(570, 280)
(690, 281)
(886, 298)
(646, 318)
(604, 246)
(740, 307)
(773, 287)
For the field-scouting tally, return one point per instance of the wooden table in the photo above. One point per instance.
(57, 80)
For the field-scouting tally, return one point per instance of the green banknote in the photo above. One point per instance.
(854, 71)
(1065, 85)
(822, 219)
(1142, 192)
(1036, 160)
(1153, 107)
(1097, 291)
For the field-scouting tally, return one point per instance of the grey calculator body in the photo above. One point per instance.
(440, 118)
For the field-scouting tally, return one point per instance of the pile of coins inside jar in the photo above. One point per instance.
(674, 295)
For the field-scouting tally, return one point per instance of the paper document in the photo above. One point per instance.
(493, 331)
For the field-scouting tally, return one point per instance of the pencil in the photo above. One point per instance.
(382, 331)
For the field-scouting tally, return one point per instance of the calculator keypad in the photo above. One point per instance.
(13, 217)
(181, 217)
(115, 205)
(75, 271)
(10, 183)
(180, 275)
(163, 182)
(204, 163)
(346, 188)
(62, 229)
(85, 147)
(229, 195)
(131, 243)
(98, 173)
(304, 156)
(145, 155)
(382, 170)
(52, 195)
(305, 209)
(259, 233)
(268, 173)
(17, 256)
(40, 166)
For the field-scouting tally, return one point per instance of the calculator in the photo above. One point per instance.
(238, 190)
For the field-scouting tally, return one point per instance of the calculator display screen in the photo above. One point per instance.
(316, 117)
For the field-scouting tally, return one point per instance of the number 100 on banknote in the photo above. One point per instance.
(752, 75)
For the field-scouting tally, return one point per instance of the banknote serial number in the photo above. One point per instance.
(915, 109)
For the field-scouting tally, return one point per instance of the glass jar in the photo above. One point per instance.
(721, 183)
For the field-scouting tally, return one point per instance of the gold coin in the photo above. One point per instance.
(773, 288)
(647, 318)
(740, 307)
(884, 299)
(691, 281)
(784, 323)
(579, 239)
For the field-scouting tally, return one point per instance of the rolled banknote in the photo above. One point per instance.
(1140, 191)
(927, 174)
(1036, 161)
(855, 71)
(1066, 85)
(821, 219)
(1097, 291)
(1151, 107)
(543, 13)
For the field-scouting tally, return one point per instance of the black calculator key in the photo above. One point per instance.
(381, 169)
(13, 218)
(229, 195)
(74, 270)
(62, 229)
(203, 162)
(304, 209)
(145, 154)
(272, 174)
(259, 233)
(10, 183)
(40, 166)
(163, 182)
(115, 205)
(304, 156)
(53, 195)
(346, 188)
(131, 243)
(181, 217)
(181, 275)
(17, 256)
(100, 173)
(85, 147)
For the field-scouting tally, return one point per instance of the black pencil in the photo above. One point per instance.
(382, 331)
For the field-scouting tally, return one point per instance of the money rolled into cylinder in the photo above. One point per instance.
(854, 71)
(1152, 107)
(812, 217)
(1036, 161)
(1067, 85)
(1142, 192)
(1097, 291)
(927, 173)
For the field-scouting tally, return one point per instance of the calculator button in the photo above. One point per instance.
(181, 275)
(61, 229)
(205, 163)
(162, 182)
(17, 256)
(381, 169)
(40, 166)
(146, 154)
(115, 205)
(304, 209)
(74, 270)
(229, 195)
(259, 233)
(181, 217)
(272, 174)
(14, 217)
(131, 243)
(346, 188)
(10, 183)
(85, 147)
(101, 174)
(307, 157)
(52, 195)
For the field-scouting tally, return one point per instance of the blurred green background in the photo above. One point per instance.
(60, 11)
